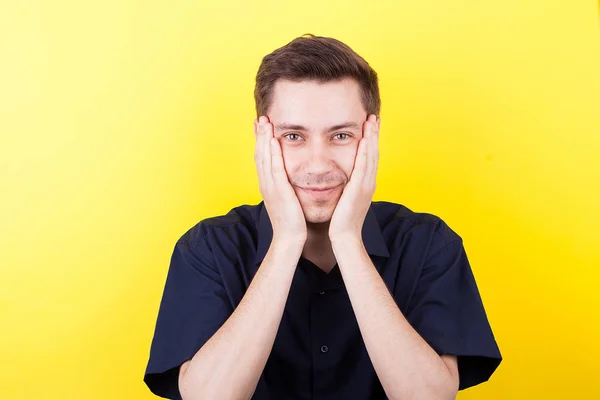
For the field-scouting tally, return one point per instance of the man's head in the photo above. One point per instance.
(317, 93)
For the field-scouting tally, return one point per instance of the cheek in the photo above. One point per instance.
(290, 160)
(346, 161)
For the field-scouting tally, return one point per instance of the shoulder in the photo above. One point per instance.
(238, 223)
(403, 227)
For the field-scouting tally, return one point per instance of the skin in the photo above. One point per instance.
(315, 156)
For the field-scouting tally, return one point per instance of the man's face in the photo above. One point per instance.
(318, 126)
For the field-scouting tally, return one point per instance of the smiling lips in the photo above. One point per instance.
(320, 189)
(320, 193)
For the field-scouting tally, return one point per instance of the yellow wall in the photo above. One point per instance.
(124, 123)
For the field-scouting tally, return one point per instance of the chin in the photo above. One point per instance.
(316, 214)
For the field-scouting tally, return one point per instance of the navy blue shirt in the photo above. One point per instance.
(318, 352)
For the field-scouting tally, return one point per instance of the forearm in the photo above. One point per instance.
(407, 367)
(230, 363)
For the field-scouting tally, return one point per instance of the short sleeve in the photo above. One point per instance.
(194, 306)
(447, 311)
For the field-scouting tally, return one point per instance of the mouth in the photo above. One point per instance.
(320, 193)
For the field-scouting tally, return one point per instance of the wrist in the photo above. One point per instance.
(345, 239)
(288, 244)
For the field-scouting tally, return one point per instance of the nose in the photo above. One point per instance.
(319, 159)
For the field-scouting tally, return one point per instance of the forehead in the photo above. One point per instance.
(316, 104)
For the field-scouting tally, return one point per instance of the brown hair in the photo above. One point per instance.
(319, 58)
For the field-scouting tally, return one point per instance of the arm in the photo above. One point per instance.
(230, 363)
(450, 320)
(406, 365)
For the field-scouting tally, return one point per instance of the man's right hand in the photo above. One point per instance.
(283, 206)
(230, 363)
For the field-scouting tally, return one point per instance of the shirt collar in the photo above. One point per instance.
(371, 234)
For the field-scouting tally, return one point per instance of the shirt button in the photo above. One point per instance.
(324, 349)
(321, 292)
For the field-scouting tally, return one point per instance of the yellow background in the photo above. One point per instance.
(123, 123)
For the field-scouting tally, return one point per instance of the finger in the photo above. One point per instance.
(362, 155)
(360, 162)
(371, 124)
(373, 154)
(277, 166)
(267, 135)
(258, 152)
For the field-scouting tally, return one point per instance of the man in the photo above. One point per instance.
(317, 292)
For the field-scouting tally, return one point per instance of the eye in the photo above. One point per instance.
(291, 134)
(294, 137)
(343, 133)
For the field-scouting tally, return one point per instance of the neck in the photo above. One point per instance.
(317, 248)
(318, 231)
(317, 239)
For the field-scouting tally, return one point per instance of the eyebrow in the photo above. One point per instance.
(286, 126)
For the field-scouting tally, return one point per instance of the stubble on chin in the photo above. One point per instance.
(318, 213)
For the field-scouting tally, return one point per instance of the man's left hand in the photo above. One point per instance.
(349, 215)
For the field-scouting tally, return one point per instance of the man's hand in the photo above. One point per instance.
(351, 210)
(283, 206)
(230, 363)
